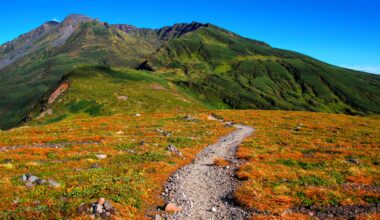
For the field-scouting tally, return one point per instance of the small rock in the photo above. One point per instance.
(174, 150)
(29, 185)
(228, 124)
(189, 118)
(157, 217)
(138, 115)
(286, 212)
(32, 178)
(101, 201)
(54, 183)
(40, 181)
(353, 160)
(95, 166)
(101, 156)
(170, 207)
(131, 151)
(121, 97)
(24, 178)
(120, 132)
(108, 207)
(84, 208)
(213, 209)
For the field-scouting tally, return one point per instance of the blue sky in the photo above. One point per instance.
(340, 32)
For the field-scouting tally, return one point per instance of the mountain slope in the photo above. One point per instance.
(217, 68)
(226, 69)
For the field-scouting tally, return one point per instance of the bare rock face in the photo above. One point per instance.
(61, 89)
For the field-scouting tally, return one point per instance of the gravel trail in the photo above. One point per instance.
(204, 191)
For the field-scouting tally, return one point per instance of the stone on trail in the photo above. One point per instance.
(170, 207)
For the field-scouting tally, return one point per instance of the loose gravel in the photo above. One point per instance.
(203, 190)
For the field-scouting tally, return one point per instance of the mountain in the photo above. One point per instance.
(114, 68)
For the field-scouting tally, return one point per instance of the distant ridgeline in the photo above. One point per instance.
(184, 66)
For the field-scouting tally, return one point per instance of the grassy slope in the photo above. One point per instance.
(289, 167)
(26, 84)
(228, 70)
(96, 91)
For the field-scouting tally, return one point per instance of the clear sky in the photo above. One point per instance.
(340, 32)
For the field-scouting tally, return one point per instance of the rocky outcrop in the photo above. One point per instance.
(59, 91)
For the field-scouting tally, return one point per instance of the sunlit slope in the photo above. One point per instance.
(26, 83)
(96, 91)
(231, 71)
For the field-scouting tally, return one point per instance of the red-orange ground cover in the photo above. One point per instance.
(302, 158)
(131, 177)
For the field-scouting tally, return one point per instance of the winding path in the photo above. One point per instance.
(204, 191)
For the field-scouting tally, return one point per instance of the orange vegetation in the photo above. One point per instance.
(303, 158)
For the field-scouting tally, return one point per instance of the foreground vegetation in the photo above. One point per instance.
(310, 160)
(131, 176)
(293, 160)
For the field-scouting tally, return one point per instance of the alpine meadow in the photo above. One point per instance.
(189, 121)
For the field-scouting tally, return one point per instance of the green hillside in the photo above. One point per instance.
(198, 65)
(100, 91)
(228, 70)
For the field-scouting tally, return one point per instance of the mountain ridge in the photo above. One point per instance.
(217, 67)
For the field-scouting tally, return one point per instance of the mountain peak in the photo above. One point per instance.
(74, 19)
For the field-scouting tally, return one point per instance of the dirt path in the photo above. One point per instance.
(204, 191)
